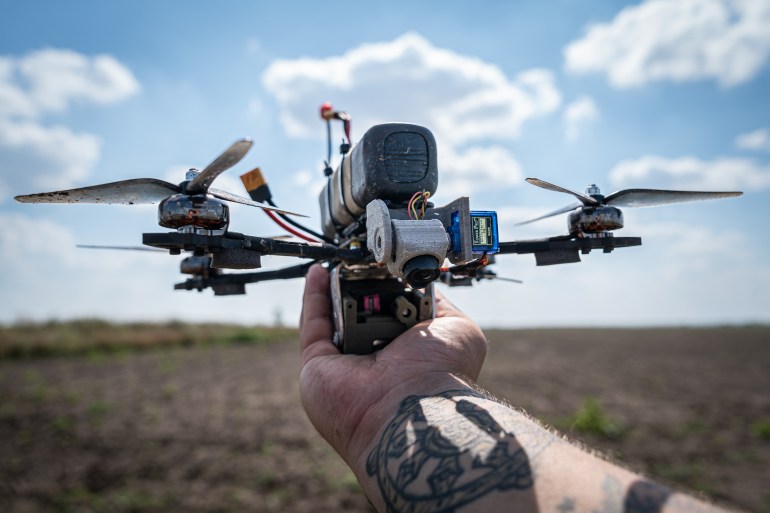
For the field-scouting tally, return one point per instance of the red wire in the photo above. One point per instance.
(346, 125)
(277, 220)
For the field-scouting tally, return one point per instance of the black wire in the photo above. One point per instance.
(298, 225)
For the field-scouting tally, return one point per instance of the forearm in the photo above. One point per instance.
(444, 446)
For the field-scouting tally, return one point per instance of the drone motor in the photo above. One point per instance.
(180, 211)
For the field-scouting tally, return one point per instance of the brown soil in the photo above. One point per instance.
(215, 429)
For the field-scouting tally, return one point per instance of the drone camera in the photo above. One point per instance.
(421, 270)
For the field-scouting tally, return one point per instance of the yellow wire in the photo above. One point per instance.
(411, 206)
(425, 196)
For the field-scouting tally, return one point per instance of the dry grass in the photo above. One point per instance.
(90, 336)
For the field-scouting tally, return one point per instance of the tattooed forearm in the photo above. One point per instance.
(643, 496)
(445, 451)
(464, 450)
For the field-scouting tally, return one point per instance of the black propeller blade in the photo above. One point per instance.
(125, 248)
(229, 196)
(585, 200)
(655, 197)
(151, 190)
(230, 157)
(512, 280)
(125, 192)
(551, 214)
(626, 198)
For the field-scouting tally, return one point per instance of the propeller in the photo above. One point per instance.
(500, 278)
(489, 274)
(625, 198)
(125, 248)
(154, 250)
(151, 190)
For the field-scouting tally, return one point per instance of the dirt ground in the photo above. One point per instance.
(216, 429)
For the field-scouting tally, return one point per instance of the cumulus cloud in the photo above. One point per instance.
(33, 238)
(14, 101)
(475, 168)
(677, 40)
(691, 173)
(577, 114)
(756, 140)
(310, 182)
(508, 217)
(50, 80)
(463, 100)
(34, 156)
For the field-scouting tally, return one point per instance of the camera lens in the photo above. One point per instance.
(421, 270)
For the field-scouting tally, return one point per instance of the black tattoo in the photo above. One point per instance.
(612, 501)
(645, 497)
(566, 506)
(435, 458)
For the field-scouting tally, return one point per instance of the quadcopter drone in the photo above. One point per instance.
(384, 242)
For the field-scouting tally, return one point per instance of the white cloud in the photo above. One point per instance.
(690, 249)
(756, 140)
(494, 110)
(409, 77)
(309, 182)
(462, 99)
(476, 168)
(120, 285)
(677, 40)
(14, 101)
(36, 158)
(577, 114)
(691, 173)
(55, 78)
(23, 238)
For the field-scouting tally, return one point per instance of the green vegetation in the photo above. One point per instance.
(96, 338)
(123, 500)
(591, 419)
(694, 427)
(98, 409)
(761, 429)
(62, 424)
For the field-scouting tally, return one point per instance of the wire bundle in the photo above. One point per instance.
(411, 207)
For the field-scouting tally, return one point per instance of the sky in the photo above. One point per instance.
(654, 94)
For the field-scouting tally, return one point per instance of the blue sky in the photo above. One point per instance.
(666, 94)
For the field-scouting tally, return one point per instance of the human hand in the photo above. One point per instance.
(349, 398)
